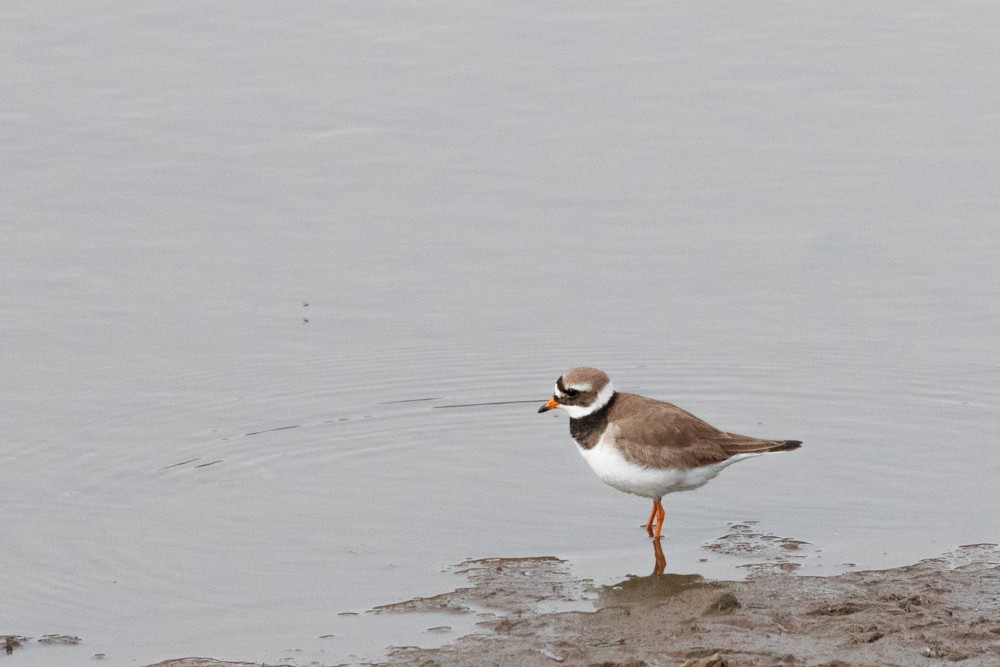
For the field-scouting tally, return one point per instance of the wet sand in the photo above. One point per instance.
(902, 616)
(938, 611)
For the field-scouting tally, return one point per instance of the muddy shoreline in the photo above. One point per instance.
(942, 610)
(939, 611)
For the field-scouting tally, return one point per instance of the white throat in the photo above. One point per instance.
(603, 396)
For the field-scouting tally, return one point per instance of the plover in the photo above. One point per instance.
(644, 446)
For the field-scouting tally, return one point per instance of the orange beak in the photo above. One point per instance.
(549, 406)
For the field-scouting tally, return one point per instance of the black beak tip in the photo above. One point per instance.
(542, 409)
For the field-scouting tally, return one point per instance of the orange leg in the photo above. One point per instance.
(652, 519)
(655, 518)
(660, 512)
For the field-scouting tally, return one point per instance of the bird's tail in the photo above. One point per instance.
(745, 445)
(786, 445)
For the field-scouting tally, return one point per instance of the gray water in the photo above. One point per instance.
(251, 252)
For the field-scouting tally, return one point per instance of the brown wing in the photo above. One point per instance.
(662, 435)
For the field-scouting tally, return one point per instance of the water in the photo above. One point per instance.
(224, 222)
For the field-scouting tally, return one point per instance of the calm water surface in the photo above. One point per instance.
(251, 253)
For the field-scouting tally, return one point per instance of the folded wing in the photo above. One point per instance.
(660, 434)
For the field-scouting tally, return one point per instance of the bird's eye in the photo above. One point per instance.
(572, 393)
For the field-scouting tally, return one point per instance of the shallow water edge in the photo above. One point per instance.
(940, 608)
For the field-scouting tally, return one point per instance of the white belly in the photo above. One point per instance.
(614, 470)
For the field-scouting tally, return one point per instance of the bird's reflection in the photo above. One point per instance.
(650, 590)
(659, 560)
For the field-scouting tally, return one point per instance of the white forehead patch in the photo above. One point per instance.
(586, 386)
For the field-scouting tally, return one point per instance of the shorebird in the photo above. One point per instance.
(644, 446)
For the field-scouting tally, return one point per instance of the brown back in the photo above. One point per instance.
(658, 434)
